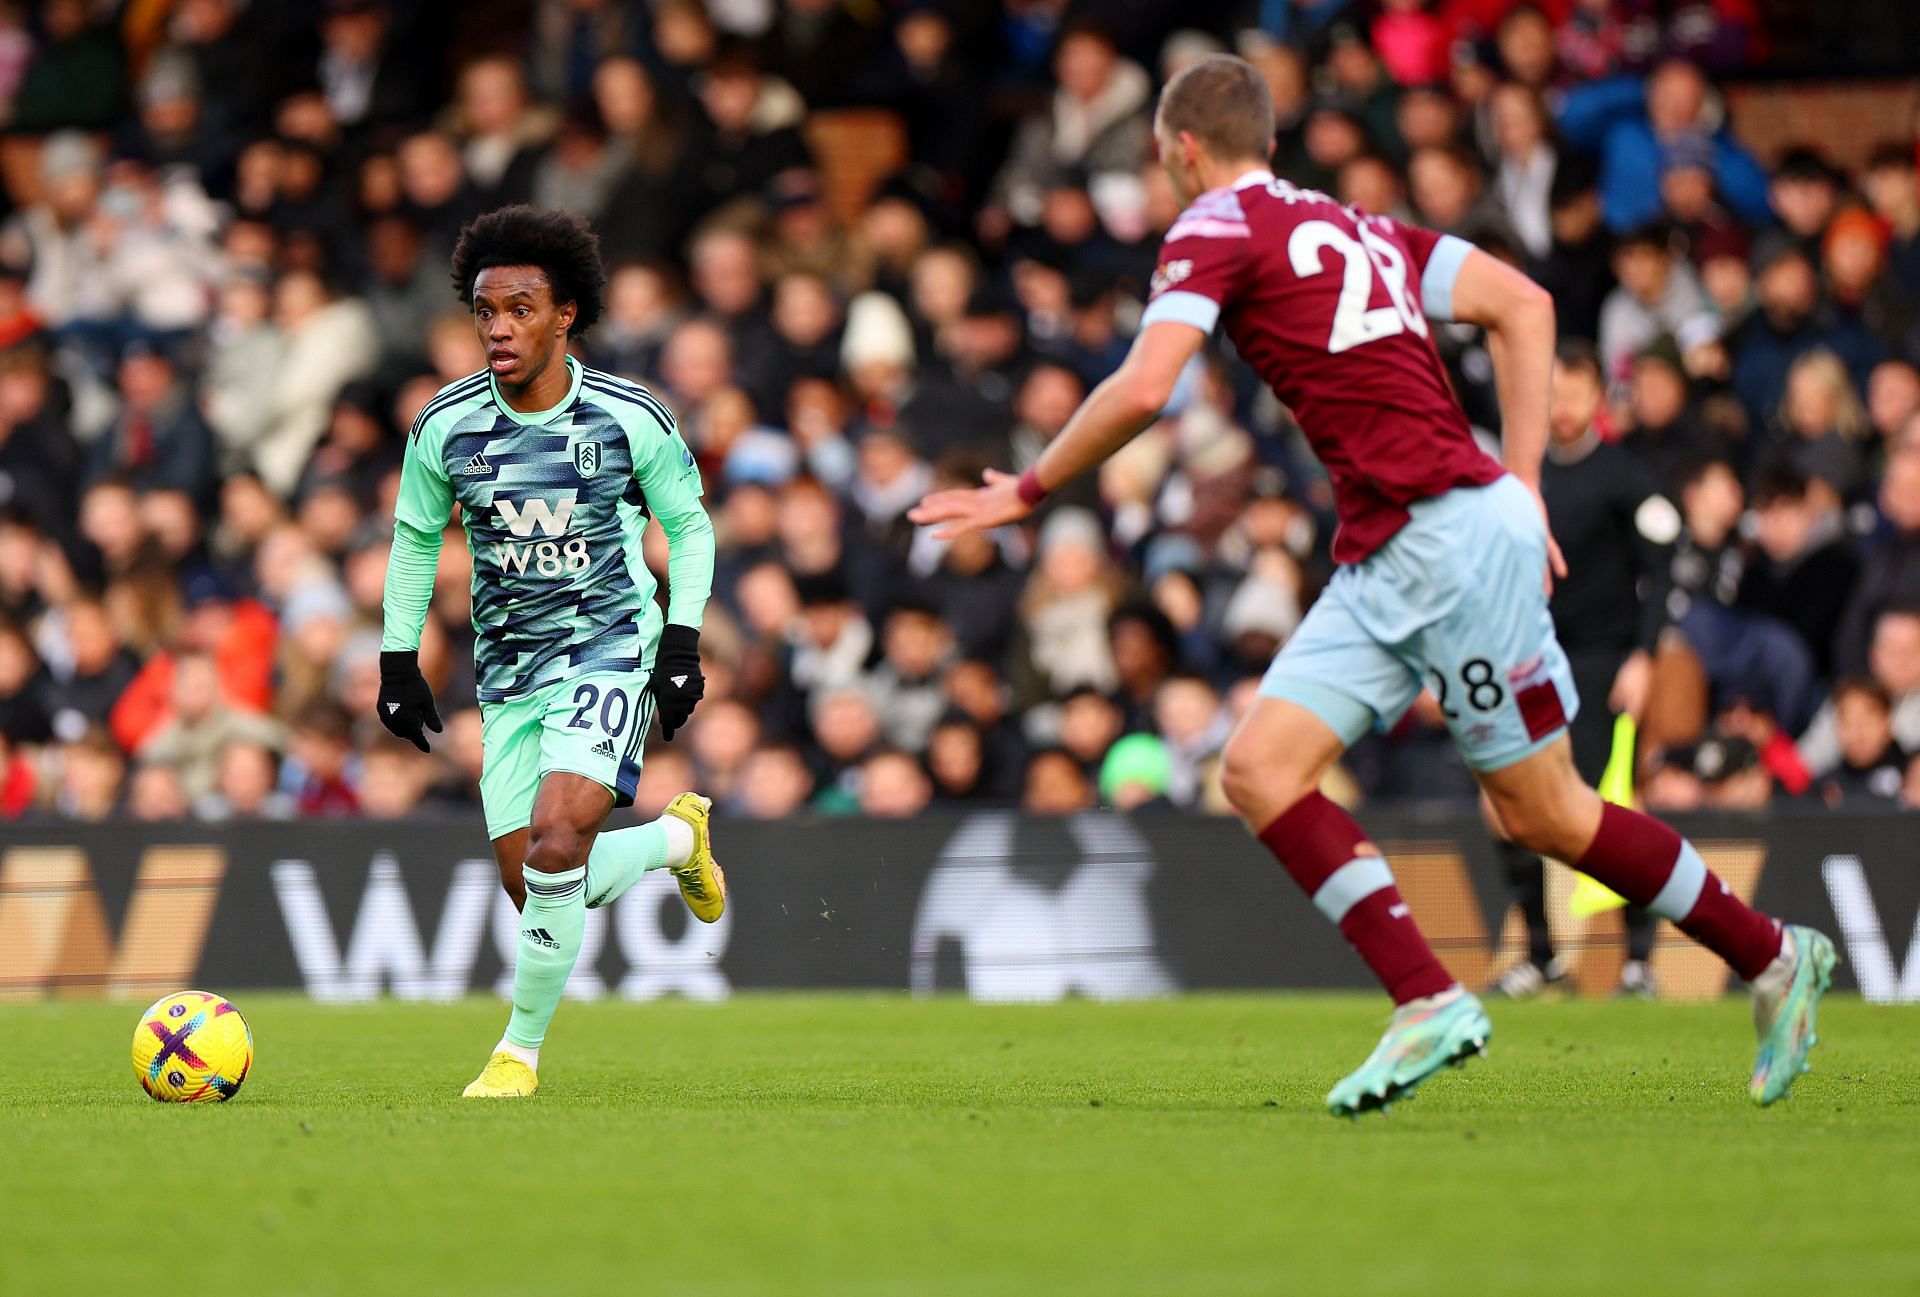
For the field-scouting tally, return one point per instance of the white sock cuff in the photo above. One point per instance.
(1351, 884)
(1682, 891)
(679, 840)
(528, 1054)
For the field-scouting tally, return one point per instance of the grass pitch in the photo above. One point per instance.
(880, 1145)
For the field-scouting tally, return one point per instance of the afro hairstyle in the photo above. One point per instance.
(563, 246)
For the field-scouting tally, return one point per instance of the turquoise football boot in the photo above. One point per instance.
(1426, 1035)
(1786, 999)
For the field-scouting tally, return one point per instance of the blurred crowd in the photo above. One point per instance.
(224, 297)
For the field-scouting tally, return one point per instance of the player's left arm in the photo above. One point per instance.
(1519, 319)
(1117, 411)
(1462, 283)
(670, 480)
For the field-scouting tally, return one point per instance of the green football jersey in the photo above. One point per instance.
(554, 504)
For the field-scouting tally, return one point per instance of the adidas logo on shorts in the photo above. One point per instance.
(604, 748)
(476, 467)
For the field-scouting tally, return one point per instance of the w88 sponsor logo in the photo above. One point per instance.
(543, 558)
(551, 557)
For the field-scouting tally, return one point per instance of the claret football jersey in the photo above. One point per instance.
(1325, 303)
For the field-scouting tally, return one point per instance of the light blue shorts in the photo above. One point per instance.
(1454, 603)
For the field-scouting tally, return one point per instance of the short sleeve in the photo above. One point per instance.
(1434, 258)
(425, 501)
(1202, 263)
(1416, 239)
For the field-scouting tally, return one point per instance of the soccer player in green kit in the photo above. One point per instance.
(556, 468)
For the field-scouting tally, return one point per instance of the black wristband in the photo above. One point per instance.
(679, 641)
(399, 664)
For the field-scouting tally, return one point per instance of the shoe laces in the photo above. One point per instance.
(692, 881)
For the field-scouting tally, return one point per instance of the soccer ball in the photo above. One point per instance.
(192, 1047)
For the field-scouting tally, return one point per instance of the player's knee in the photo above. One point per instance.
(1258, 782)
(1551, 825)
(1524, 827)
(554, 849)
(1237, 775)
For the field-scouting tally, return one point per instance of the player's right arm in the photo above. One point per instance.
(1203, 265)
(419, 517)
(1117, 411)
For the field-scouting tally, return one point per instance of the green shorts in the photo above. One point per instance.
(593, 726)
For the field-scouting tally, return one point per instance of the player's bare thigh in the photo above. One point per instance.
(567, 814)
(1279, 752)
(1542, 803)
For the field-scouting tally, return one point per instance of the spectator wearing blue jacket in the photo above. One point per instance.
(1790, 322)
(1634, 125)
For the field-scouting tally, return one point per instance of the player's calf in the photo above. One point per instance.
(566, 815)
(1349, 882)
(551, 929)
(1545, 806)
(680, 841)
(1272, 771)
(1653, 866)
(1273, 768)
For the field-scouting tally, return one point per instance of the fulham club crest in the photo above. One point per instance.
(586, 457)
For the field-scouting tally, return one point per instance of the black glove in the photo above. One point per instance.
(677, 683)
(406, 702)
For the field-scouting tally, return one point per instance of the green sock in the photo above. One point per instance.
(621, 859)
(618, 860)
(550, 929)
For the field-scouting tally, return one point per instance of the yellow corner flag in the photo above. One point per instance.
(1616, 785)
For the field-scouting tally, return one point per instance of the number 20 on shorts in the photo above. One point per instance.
(614, 709)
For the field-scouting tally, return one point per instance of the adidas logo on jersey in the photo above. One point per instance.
(476, 467)
(604, 748)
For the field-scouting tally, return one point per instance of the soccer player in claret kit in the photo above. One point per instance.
(556, 468)
(1445, 561)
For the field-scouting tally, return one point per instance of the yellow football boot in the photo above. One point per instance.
(504, 1077)
(703, 884)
